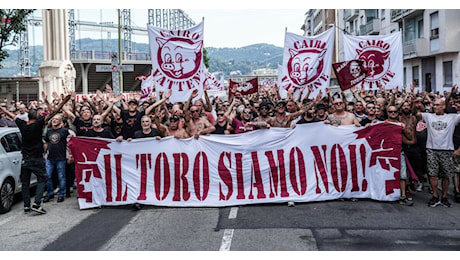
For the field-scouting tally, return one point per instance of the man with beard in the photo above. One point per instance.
(340, 116)
(97, 130)
(409, 142)
(264, 109)
(309, 115)
(371, 115)
(321, 111)
(393, 117)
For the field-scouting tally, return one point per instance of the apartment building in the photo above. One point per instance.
(431, 49)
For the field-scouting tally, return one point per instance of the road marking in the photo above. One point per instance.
(410, 242)
(228, 233)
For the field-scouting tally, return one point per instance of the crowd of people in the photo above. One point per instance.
(430, 128)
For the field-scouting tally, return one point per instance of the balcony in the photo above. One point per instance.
(398, 14)
(350, 14)
(415, 48)
(372, 27)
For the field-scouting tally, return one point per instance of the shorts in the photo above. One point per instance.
(416, 159)
(440, 163)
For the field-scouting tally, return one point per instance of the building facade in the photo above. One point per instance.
(430, 37)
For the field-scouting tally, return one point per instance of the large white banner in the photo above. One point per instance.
(177, 57)
(307, 62)
(382, 56)
(263, 166)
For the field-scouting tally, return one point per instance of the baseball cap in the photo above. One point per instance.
(133, 101)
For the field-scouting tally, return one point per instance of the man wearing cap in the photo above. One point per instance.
(321, 111)
(173, 129)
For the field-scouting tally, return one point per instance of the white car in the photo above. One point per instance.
(10, 166)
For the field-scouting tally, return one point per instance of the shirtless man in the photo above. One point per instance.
(173, 129)
(196, 125)
(340, 116)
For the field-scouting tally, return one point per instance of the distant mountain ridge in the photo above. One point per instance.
(222, 60)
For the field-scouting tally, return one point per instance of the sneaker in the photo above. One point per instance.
(419, 187)
(56, 191)
(26, 210)
(60, 199)
(409, 196)
(291, 204)
(434, 202)
(405, 201)
(38, 208)
(446, 203)
(47, 198)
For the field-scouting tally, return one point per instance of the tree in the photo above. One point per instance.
(12, 23)
(205, 58)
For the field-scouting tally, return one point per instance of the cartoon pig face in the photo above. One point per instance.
(305, 66)
(374, 61)
(179, 58)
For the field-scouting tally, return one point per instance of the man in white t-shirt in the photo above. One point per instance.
(439, 149)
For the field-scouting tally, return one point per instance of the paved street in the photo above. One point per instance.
(364, 225)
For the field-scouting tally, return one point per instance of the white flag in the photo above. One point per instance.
(211, 83)
(177, 61)
(307, 62)
(382, 56)
(147, 87)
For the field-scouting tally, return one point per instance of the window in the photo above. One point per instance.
(11, 143)
(434, 33)
(420, 29)
(415, 75)
(447, 73)
(382, 14)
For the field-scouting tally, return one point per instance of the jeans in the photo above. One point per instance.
(59, 166)
(37, 167)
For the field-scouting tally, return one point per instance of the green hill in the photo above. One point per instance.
(224, 60)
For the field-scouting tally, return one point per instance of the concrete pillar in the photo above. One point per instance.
(57, 73)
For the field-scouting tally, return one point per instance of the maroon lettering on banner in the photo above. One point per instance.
(320, 165)
(277, 180)
(302, 172)
(162, 172)
(225, 176)
(256, 178)
(353, 168)
(204, 180)
(343, 168)
(362, 150)
(118, 174)
(144, 161)
(108, 178)
(239, 176)
(180, 178)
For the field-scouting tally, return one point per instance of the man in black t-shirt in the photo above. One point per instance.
(97, 130)
(32, 154)
(56, 147)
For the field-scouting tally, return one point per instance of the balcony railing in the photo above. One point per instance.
(372, 27)
(350, 14)
(99, 55)
(416, 47)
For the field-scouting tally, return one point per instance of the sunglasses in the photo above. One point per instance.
(247, 112)
(370, 107)
(263, 108)
(193, 111)
(393, 112)
(338, 103)
(173, 119)
(225, 105)
(220, 114)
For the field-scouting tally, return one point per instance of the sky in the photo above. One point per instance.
(234, 23)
